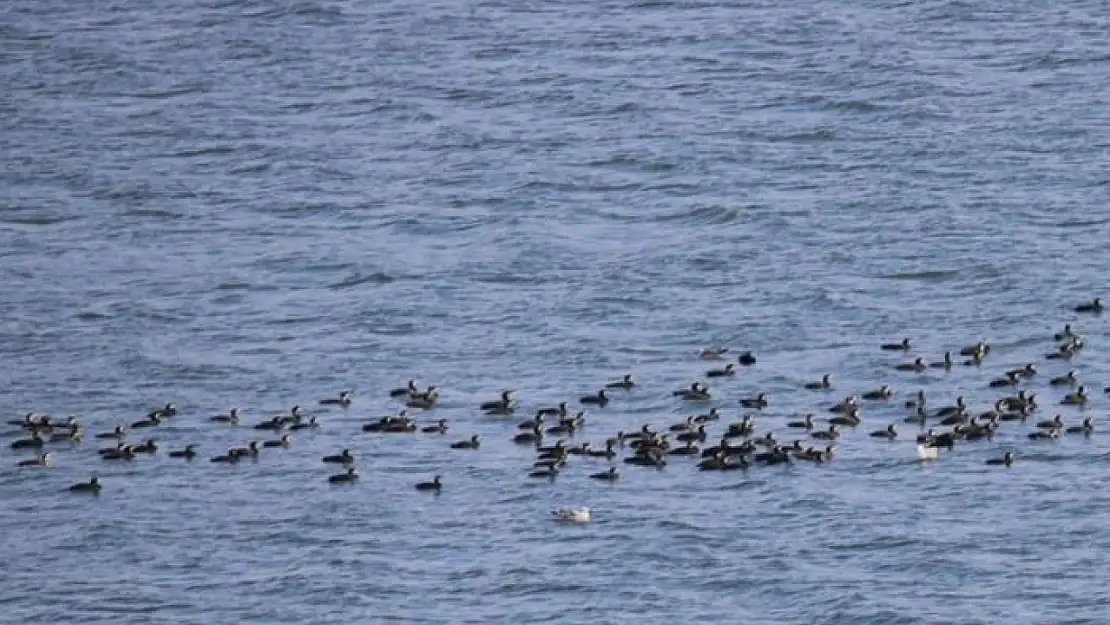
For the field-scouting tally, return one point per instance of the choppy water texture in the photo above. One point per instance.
(262, 203)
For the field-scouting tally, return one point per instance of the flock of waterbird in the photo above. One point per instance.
(742, 444)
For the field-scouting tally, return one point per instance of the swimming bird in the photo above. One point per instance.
(822, 384)
(807, 424)
(228, 458)
(609, 476)
(959, 408)
(881, 393)
(850, 417)
(43, 460)
(1007, 460)
(830, 434)
(28, 421)
(712, 353)
(559, 411)
(426, 400)
(504, 405)
(163, 413)
(1011, 379)
(473, 443)
(626, 383)
(152, 420)
(566, 426)
(918, 416)
(696, 392)
(121, 452)
(1078, 398)
(344, 478)
(572, 515)
(697, 435)
(847, 404)
(917, 365)
(434, 485)
(946, 363)
(29, 443)
(1027, 371)
(440, 427)
(1068, 379)
(312, 423)
(535, 436)
(250, 451)
(91, 486)
(284, 441)
(608, 453)
(405, 391)
(745, 427)
(343, 400)
(344, 457)
(1064, 352)
(979, 349)
(232, 417)
(274, 423)
(1087, 428)
(758, 402)
(149, 447)
(713, 415)
(600, 399)
(918, 401)
(1065, 334)
(1094, 306)
(889, 433)
(746, 359)
(729, 370)
(188, 453)
(894, 347)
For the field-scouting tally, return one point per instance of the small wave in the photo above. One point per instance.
(36, 220)
(852, 106)
(212, 150)
(821, 133)
(90, 315)
(709, 215)
(356, 279)
(929, 275)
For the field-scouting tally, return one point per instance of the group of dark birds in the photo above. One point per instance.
(741, 444)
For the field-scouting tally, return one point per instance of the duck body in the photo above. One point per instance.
(820, 385)
(572, 515)
(43, 460)
(918, 365)
(349, 477)
(1094, 306)
(889, 433)
(758, 402)
(600, 399)
(505, 405)
(344, 400)
(882, 393)
(728, 371)
(626, 383)
(1006, 460)
(92, 486)
(188, 453)
(902, 346)
(344, 457)
(472, 443)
